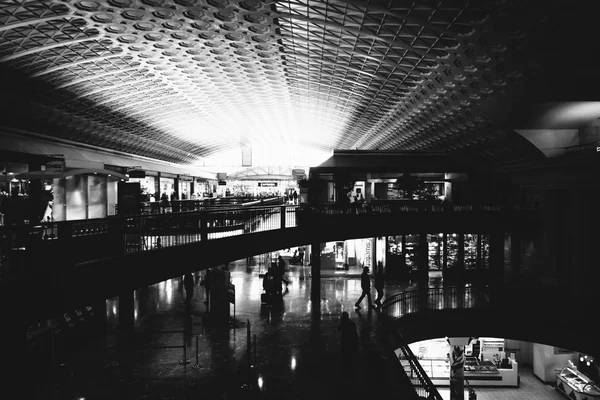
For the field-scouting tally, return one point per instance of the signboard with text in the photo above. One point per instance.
(267, 184)
(55, 166)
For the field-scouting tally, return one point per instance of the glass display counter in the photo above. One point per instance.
(575, 385)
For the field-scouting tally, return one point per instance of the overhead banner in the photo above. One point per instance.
(246, 157)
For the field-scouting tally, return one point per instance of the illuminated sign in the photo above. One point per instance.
(267, 184)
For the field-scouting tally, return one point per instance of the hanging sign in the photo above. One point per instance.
(267, 184)
(55, 166)
(368, 253)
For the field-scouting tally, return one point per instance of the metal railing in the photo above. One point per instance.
(412, 368)
(409, 207)
(93, 239)
(445, 298)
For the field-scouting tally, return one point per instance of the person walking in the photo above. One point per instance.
(348, 340)
(379, 284)
(206, 283)
(301, 255)
(281, 270)
(295, 197)
(188, 284)
(365, 284)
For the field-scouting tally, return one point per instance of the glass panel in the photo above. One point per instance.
(96, 196)
(436, 248)
(412, 251)
(452, 249)
(76, 197)
(485, 251)
(395, 245)
(470, 251)
(60, 200)
(111, 197)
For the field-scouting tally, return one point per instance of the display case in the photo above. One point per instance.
(470, 251)
(452, 250)
(412, 252)
(436, 248)
(575, 385)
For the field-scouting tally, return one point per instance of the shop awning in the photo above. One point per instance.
(69, 172)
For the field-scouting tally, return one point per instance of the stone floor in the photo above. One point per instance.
(295, 357)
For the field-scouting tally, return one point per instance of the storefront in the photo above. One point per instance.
(444, 252)
(167, 186)
(148, 187)
(351, 256)
(185, 187)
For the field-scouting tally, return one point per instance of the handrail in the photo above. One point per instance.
(421, 382)
(449, 297)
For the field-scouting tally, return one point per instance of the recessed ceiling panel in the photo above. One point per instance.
(181, 80)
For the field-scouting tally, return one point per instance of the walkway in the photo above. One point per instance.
(296, 352)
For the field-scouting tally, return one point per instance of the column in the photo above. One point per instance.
(515, 255)
(16, 376)
(368, 189)
(445, 254)
(457, 371)
(125, 325)
(479, 252)
(423, 257)
(497, 258)
(460, 256)
(315, 270)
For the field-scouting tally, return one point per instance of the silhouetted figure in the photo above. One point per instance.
(365, 284)
(301, 255)
(281, 270)
(379, 284)
(348, 340)
(206, 282)
(295, 197)
(188, 284)
(271, 284)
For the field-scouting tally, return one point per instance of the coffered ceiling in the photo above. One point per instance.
(181, 80)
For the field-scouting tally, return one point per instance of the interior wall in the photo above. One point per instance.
(547, 361)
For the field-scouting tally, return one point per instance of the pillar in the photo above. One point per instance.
(423, 257)
(315, 270)
(460, 256)
(457, 372)
(479, 263)
(515, 255)
(125, 326)
(368, 188)
(16, 376)
(497, 259)
(445, 254)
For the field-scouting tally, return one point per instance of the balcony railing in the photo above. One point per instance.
(93, 239)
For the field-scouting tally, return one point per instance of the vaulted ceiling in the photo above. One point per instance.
(180, 80)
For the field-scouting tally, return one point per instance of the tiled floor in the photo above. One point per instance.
(297, 348)
(530, 388)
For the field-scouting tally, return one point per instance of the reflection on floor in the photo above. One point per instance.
(296, 354)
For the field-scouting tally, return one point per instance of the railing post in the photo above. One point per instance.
(203, 228)
(282, 216)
